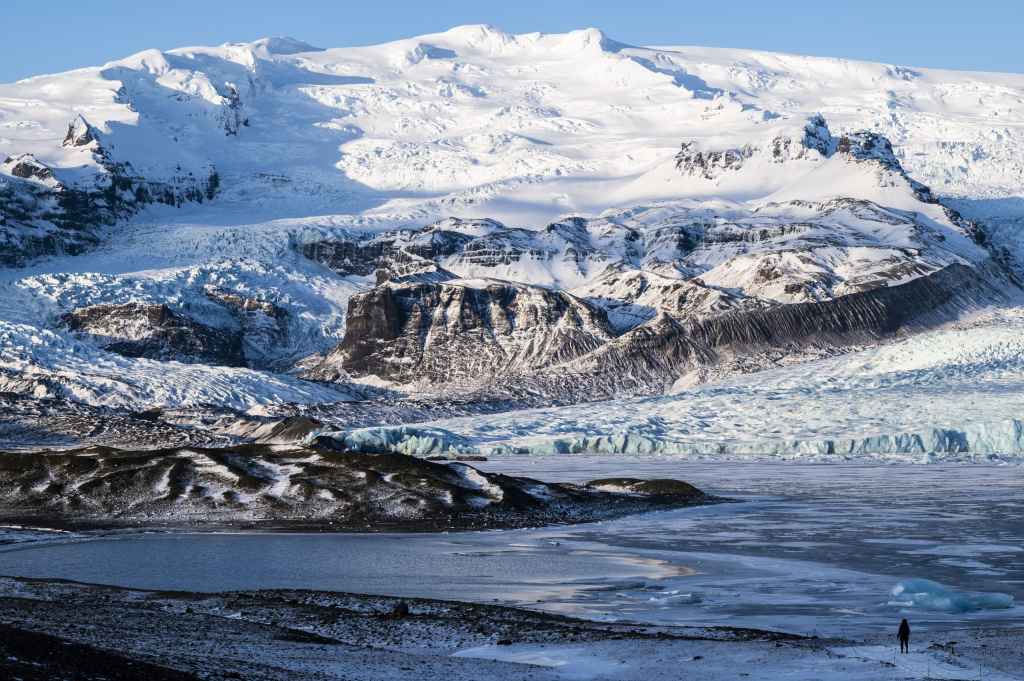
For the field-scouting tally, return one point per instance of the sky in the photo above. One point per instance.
(48, 37)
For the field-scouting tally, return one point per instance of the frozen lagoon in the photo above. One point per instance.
(811, 549)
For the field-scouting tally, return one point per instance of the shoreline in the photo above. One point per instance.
(285, 634)
(456, 523)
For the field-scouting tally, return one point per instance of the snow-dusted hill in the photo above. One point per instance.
(530, 218)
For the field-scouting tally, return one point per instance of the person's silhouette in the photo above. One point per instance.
(904, 636)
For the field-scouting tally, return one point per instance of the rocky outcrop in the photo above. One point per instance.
(155, 331)
(857, 317)
(27, 167)
(442, 338)
(814, 142)
(709, 164)
(232, 115)
(42, 214)
(631, 297)
(651, 357)
(570, 248)
(263, 326)
(462, 332)
(388, 255)
(80, 133)
(33, 223)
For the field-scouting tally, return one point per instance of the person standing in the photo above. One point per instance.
(904, 636)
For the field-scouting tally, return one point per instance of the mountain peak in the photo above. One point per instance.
(492, 39)
(284, 45)
(80, 133)
(592, 38)
(484, 36)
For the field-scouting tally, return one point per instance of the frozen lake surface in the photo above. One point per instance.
(811, 548)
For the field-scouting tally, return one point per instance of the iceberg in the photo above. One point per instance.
(928, 595)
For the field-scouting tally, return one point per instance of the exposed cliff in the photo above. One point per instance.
(155, 332)
(501, 338)
(463, 332)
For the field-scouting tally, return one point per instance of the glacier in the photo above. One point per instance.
(949, 394)
(685, 251)
(408, 440)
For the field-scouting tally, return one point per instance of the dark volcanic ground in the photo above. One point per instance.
(283, 487)
(81, 632)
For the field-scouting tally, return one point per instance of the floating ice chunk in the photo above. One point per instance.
(928, 595)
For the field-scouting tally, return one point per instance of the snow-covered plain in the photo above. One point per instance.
(312, 144)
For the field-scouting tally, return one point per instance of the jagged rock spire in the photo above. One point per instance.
(80, 133)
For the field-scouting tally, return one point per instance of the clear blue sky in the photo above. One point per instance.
(37, 36)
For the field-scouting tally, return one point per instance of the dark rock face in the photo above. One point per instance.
(38, 220)
(431, 254)
(710, 164)
(347, 257)
(817, 136)
(448, 333)
(80, 133)
(27, 167)
(859, 316)
(437, 336)
(154, 331)
(33, 222)
(652, 356)
(41, 215)
(418, 272)
(863, 145)
(232, 116)
(404, 255)
(263, 325)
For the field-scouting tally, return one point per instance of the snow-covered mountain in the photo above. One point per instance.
(481, 216)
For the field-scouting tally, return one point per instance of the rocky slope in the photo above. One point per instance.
(154, 332)
(462, 333)
(48, 211)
